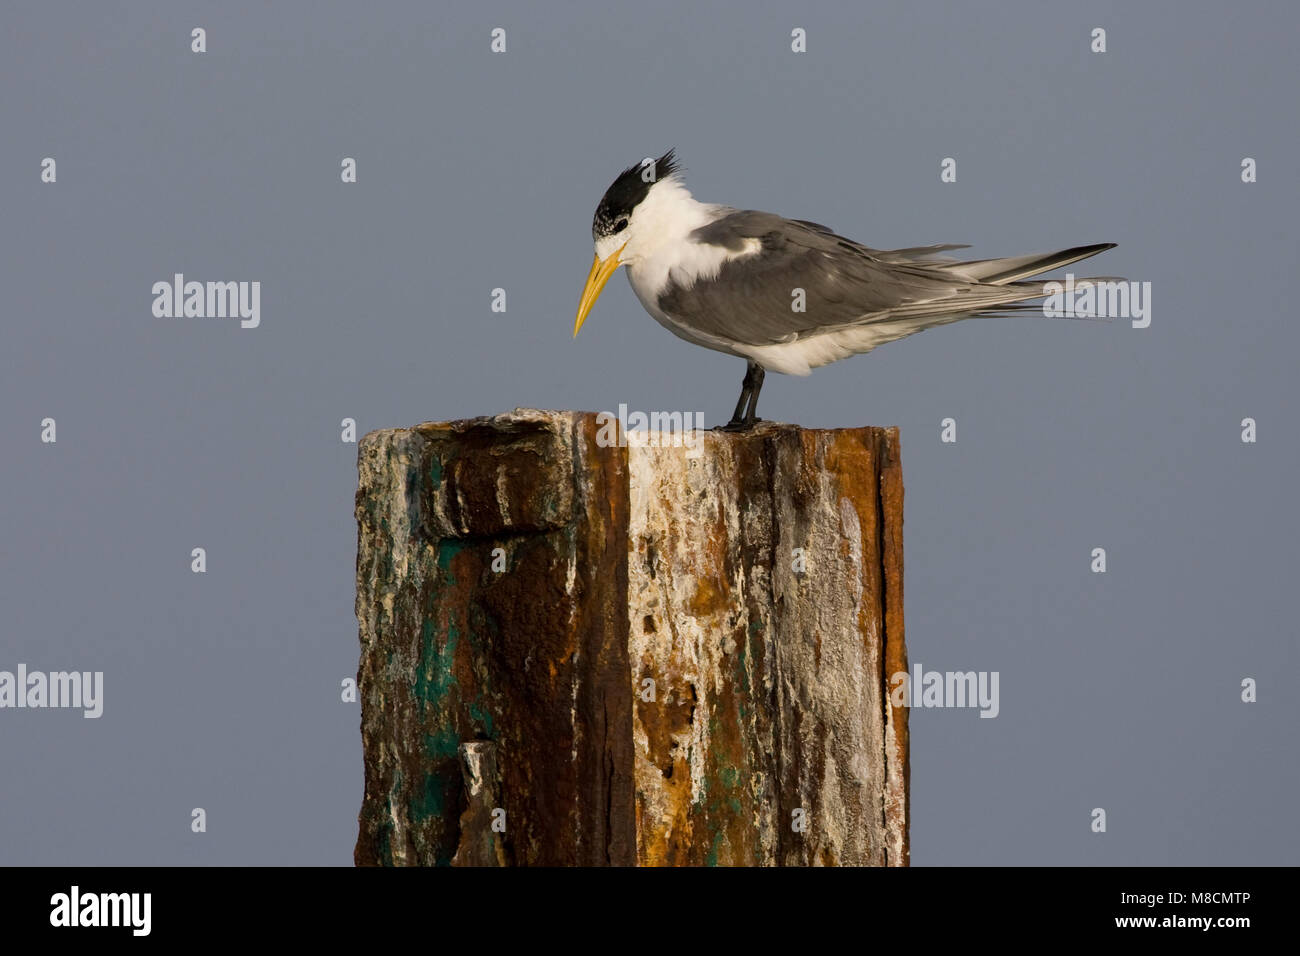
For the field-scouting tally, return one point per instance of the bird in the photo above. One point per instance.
(786, 295)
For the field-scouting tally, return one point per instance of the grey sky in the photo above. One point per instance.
(479, 171)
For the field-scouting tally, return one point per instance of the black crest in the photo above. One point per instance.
(627, 191)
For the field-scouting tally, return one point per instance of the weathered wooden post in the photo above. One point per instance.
(574, 651)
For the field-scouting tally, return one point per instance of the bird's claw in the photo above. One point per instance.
(737, 425)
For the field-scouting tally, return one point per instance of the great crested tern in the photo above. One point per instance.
(786, 294)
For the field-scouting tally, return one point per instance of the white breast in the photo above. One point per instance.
(663, 253)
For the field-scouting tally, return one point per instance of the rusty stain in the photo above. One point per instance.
(627, 564)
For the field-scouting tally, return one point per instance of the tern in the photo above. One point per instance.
(786, 295)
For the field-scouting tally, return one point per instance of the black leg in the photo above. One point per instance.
(758, 373)
(743, 417)
(739, 413)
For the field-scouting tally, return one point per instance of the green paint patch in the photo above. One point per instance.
(448, 549)
(481, 716)
(442, 744)
(711, 859)
(435, 677)
(435, 472)
(444, 552)
(429, 804)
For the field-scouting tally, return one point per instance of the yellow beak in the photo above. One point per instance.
(596, 279)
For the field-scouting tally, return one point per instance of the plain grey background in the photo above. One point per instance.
(481, 170)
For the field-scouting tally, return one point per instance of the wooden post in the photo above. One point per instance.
(636, 655)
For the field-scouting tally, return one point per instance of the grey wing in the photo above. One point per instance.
(753, 299)
(929, 255)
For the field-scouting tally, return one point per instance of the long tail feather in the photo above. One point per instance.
(1012, 268)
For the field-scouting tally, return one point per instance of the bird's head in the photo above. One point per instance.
(624, 225)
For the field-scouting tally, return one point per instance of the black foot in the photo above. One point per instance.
(737, 425)
(744, 417)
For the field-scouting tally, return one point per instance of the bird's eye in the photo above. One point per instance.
(620, 225)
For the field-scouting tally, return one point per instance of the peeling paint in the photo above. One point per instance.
(624, 564)
(713, 539)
